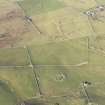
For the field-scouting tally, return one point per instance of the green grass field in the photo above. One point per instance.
(40, 6)
(95, 92)
(59, 100)
(7, 97)
(67, 80)
(101, 1)
(11, 56)
(21, 80)
(49, 58)
(60, 53)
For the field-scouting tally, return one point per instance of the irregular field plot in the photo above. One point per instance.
(20, 80)
(58, 81)
(15, 56)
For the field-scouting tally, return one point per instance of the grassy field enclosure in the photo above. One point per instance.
(16, 56)
(80, 4)
(7, 97)
(48, 48)
(63, 24)
(96, 93)
(40, 6)
(21, 81)
(100, 1)
(63, 53)
(59, 100)
(67, 80)
(56, 20)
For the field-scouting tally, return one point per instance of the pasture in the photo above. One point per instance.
(11, 56)
(44, 61)
(40, 6)
(20, 80)
(7, 97)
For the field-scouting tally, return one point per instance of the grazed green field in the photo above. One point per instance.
(101, 1)
(32, 7)
(16, 56)
(7, 97)
(95, 92)
(21, 80)
(70, 83)
(60, 100)
(60, 48)
(60, 53)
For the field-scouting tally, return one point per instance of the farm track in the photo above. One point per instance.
(29, 66)
(24, 66)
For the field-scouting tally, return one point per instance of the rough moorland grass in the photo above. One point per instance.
(40, 6)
